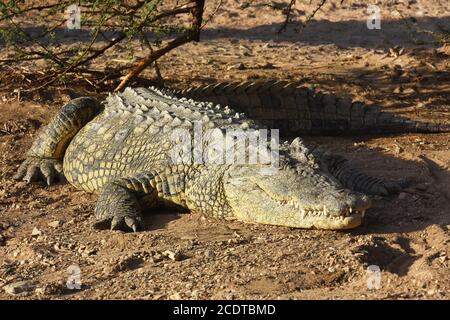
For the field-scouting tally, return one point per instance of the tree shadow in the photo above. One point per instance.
(344, 34)
(389, 258)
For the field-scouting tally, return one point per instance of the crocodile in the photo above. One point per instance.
(147, 147)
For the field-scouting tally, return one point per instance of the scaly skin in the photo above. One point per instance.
(298, 110)
(124, 152)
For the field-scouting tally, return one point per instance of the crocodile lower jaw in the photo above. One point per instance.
(323, 212)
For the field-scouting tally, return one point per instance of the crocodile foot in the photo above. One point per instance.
(121, 222)
(40, 170)
(118, 209)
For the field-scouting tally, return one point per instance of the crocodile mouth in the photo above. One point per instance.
(334, 216)
(346, 217)
(276, 202)
(323, 212)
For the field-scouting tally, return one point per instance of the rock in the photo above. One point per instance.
(272, 45)
(398, 89)
(55, 224)
(409, 90)
(239, 66)
(128, 263)
(396, 51)
(445, 50)
(245, 4)
(40, 291)
(157, 257)
(210, 254)
(245, 50)
(397, 149)
(174, 256)
(403, 196)
(50, 289)
(175, 296)
(194, 294)
(88, 252)
(18, 287)
(267, 65)
(36, 232)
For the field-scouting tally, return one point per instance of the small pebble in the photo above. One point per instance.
(210, 254)
(55, 224)
(18, 287)
(403, 196)
(36, 232)
(174, 256)
(239, 66)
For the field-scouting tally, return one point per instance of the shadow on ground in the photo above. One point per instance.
(344, 34)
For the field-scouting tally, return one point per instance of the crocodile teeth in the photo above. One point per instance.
(303, 213)
(322, 212)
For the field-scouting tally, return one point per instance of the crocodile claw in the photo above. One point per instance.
(116, 223)
(130, 222)
(122, 223)
(40, 170)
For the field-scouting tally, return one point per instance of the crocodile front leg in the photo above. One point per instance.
(118, 207)
(44, 159)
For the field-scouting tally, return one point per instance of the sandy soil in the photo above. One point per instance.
(45, 230)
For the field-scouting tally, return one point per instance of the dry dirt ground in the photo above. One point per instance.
(45, 230)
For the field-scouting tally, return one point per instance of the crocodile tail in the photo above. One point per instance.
(296, 109)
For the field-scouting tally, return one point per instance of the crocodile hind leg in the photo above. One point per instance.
(352, 179)
(44, 159)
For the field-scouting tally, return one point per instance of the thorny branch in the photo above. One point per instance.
(288, 15)
(191, 35)
(126, 21)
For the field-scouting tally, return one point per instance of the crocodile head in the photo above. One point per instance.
(294, 195)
